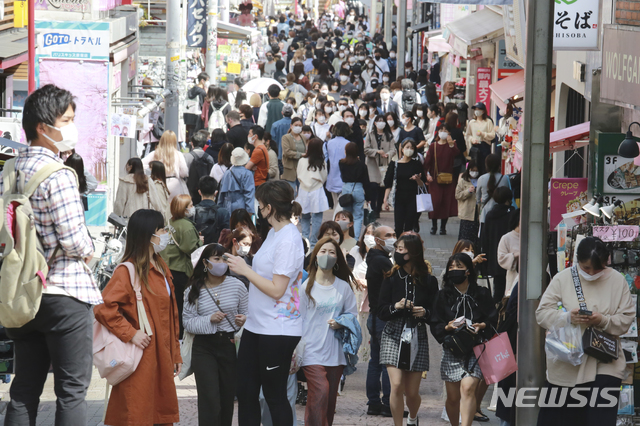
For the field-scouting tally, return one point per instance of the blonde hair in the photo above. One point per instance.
(179, 206)
(165, 152)
(255, 101)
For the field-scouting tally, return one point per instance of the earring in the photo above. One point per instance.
(335, 268)
(205, 269)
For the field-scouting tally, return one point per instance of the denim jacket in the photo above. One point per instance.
(351, 337)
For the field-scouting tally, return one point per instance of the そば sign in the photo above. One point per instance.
(576, 25)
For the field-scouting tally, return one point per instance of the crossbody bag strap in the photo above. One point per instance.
(220, 308)
(143, 320)
(578, 286)
(435, 156)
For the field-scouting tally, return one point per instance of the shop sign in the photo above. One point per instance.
(197, 23)
(621, 175)
(506, 66)
(576, 25)
(616, 233)
(63, 5)
(515, 26)
(73, 40)
(483, 81)
(470, 1)
(620, 78)
(566, 195)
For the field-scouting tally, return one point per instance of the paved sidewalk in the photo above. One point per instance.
(351, 407)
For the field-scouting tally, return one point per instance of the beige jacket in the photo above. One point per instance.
(608, 295)
(129, 201)
(486, 129)
(290, 157)
(508, 258)
(375, 162)
(466, 200)
(274, 171)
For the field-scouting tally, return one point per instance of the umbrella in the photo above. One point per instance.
(260, 85)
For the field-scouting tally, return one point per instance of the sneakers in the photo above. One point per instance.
(374, 410)
(386, 411)
(301, 398)
(413, 422)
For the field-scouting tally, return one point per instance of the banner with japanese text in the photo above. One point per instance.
(566, 195)
(468, 1)
(197, 23)
(483, 81)
(576, 25)
(73, 40)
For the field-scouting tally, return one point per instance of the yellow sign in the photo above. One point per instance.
(20, 14)
(234, 68)
(224, 49)
(175, 58)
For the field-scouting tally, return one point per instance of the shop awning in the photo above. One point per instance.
(505, 89)
(472, 29)
(232, 31)
(13, 48)
(438, 44)
(570, 138)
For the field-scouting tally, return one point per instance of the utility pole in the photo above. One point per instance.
(388, 17)
(212, 40)
(172, 102)
(534, 201)
(224, 12)
(402, 37)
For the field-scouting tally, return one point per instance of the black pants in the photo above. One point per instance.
(213, 360)
(180, 280)
(377, 197)
(484, 151)
(499, 287)
(583, 416)
(61, 335)
(405, 212)
(265, 362)
(443, 224)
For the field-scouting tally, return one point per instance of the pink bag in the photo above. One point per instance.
(114, 359)
(496, 358)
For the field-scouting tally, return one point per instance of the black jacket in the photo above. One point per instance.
(395, 288)
(378, 263)
(237, 136)
(496, 224)
(210, 219)
(476, 305)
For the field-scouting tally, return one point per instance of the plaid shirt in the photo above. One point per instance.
(59, 220)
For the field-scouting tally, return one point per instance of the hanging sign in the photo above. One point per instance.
(465, 2)
(616, 233)
(567, 195)
(73, 40)
(483, 81)
(197, 23)
(576, 25)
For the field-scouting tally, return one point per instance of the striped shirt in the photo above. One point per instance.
(59, 220)
(233, 298)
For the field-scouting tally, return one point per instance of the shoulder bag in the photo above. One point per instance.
(441, 178)
(596, 343)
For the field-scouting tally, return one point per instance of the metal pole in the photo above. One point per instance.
(224, 10)
(31, 43)
(212, 40)
(402, 38)
(533, 216)
(388, 17)
(172, 102)
(417, 8)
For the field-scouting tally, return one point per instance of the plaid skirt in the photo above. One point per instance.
(390, 345)
(453, 368)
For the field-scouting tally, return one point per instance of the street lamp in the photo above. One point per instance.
(629, 147)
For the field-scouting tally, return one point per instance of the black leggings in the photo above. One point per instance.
(405, 212)
(443, 224)
(264, 361)
(180, 280)
(377, 197)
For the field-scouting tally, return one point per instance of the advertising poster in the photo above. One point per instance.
(483, 81)
(576, 25)
(621, 175)
(72, 40)
(567, 195)
(123, 125)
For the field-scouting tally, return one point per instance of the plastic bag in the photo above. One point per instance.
(564, 341)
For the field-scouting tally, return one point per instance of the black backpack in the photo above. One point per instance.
(408, 100)
(199, 167)
(206, 223)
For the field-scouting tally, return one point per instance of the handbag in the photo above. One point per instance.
(461, 342)
(345, 200)
(392, 194)
(496, 358)
(115, 359)
(596, 343)
(423, 200)
(441, 178)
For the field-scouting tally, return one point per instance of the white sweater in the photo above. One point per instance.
(508, 257)
(310, 180)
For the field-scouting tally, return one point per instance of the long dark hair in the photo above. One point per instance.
(224, 156)
(362, 247)
(343, 272)
(419, 268)
(199, 276)
(142, 225)
(75, 162)
(137, 170)
(492, 163)
(448, 289)
(158, 172)
(314, 154)
(351, 154)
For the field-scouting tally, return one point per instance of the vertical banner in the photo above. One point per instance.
(567, 195)
(483, 81)
(197, 23)
(576, 25)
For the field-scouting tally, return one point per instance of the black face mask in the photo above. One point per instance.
(457, 276)
(399, 258)
(377, 58)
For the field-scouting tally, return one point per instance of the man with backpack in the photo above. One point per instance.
(271, 111)
(199, 163)
(193, 103)
(54, 326)
(210, 219)
(410, 96)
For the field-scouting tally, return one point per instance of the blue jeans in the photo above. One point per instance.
(357, 208)
(313, 221)
(376, 370)
(294, 185)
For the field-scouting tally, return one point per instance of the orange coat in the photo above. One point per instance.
(148, 396)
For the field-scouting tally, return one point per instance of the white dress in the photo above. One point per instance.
(311, 195)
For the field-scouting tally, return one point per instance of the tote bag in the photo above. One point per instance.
(423, 200)
(496, 358)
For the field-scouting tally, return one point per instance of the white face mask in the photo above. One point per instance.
(321, 119)
(297, 129)
(478, 112)
(190, 212)
(470, 254)
(443, 135)
(389, 245)
(344, 78)
(217, 269)
(392, 55)
(328, 110)
(474, 174)
(342, 107)
(385, 79)
(381, 125)
(164, 242)
(341, 55)
(390, 123)
(363, 112)
(384, 96)
(243, 250)
(334, 88)
(369, 241)
(408, 152)
(404, 121)
(372, 112)
(324, 92)
(419, 113)
(370, 65)
(349, 121)
(69, 137)
(306, 136)
(588, 277)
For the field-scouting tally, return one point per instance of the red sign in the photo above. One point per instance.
(567, 195)
(483, 81)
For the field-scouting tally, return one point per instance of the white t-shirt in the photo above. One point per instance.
(322, 347)
(281, 253)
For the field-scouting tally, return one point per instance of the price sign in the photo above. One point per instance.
(616, 233)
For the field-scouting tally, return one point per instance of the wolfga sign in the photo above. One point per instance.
(620, 79)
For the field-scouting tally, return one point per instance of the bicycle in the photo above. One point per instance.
(112, 252)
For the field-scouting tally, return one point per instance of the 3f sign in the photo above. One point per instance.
(611, 160)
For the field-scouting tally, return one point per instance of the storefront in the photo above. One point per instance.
(238, 50)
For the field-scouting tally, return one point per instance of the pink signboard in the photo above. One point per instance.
(567, 195)
(616, 233)
(483, 81)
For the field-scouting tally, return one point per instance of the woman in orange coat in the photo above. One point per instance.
(148, 397)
